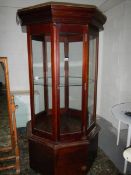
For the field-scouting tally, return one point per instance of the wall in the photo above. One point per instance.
(125, 88)
(13, 45)
(115, 60)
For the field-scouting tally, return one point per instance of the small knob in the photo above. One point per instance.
(16, 106)
(84, 168)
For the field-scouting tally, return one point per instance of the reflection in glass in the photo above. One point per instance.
(91, 82)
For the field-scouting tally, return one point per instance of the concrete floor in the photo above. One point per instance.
(107, 142)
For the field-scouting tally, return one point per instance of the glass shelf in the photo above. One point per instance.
(73, 81)
(61, 85)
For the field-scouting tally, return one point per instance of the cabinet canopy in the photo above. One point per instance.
(57, 12)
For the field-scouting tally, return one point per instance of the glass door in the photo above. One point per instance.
(41, 82)
(71, 58)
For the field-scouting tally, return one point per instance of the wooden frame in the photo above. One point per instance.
(83, 36)
(12, 125)
(52, 149)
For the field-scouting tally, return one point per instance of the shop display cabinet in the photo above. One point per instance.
(62, 43)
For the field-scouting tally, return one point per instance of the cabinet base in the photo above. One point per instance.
(70, 158)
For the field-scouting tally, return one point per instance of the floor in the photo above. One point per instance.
(107, 142)
(101, 166)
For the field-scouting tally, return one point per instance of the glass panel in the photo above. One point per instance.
(41, 47)
(62, 79)
(70, 85)
(49, 75)
(91, 83)
(75, 75)
(38, 75)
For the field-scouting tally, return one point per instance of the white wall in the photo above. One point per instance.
(13, 45)
(115, 60)
(125, 88)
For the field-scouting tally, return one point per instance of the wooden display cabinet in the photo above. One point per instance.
(63, 57)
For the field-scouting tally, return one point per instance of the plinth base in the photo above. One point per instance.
(68, 158)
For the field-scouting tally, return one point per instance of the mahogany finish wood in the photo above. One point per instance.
(45, 66)
(57, 12)
(85, 71)
(63, 140)
(55, 60)
(29, 45)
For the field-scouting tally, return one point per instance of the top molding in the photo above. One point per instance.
(65, 13)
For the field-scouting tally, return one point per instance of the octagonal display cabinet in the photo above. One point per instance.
(62, 43)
